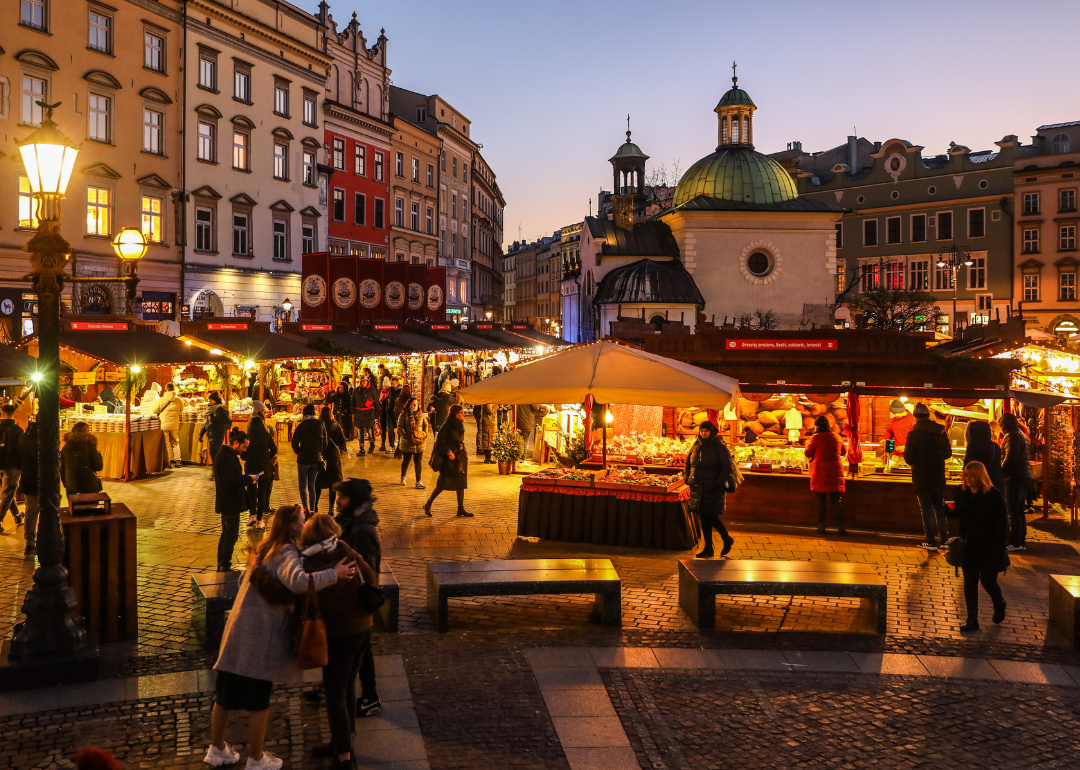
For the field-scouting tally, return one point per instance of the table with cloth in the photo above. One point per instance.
(149, 453)
(608, 517)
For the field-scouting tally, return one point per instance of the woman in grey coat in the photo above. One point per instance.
(257, 648)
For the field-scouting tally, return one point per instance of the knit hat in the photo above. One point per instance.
(822, 423)
(257, 407)
(922, 411)
(897, 406)
(709, 426)
(309, 410)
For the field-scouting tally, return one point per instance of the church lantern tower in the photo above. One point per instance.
(736, 112)
(628, 166)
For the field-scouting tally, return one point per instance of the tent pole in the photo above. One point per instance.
(127, 427)
(1046, 464)
(603, 434)
(262, 373)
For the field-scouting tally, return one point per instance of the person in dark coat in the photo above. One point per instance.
(710, 474)
(387, 419)
(441, 403)
(1016, 470)
(984, 525)
(9, 463)
(80, 462)
(28, 483)
(343, 409)
(981, 448)
(335, 447)
(259, 458)
(527, 417)
(825, 451)
(216, 424)
(926, 451)
(488, 426)
(365, 398)
(109, 399)
(451, 460)
(359, 530)
(412, 435)
(231, 487)
(402, 400)
(308, 442)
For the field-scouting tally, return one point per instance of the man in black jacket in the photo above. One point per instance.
(926, 451)
(387, 420)
(231, 488)
(259, 458)
(309, 441)
(28, 483)
(216, 425)
(365, 405)
(10, 465)
(1016, 468)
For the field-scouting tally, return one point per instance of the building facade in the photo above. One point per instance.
(413, 188)
(569, 283)
(121, 101)
(509, 276)
(487, 235)
(524, 255)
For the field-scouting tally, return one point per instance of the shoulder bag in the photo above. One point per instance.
(311, 650)
(369, 595)
(956, 549)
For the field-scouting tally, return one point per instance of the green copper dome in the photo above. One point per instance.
(629, 150)
(736, 97)
(736, 174)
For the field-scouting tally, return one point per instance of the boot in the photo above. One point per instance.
(970, 626)
(487, 457)
(999, 612)
(729, 541)
(707, 551)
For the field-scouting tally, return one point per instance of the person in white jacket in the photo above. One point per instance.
(169, 408)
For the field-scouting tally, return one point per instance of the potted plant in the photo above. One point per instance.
(574, 449)
(507, 448)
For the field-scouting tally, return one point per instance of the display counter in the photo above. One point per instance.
(149, 453)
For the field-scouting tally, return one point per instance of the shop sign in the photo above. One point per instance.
(434, 297)
(453, 311)
(416, 296)
(370, 293)
(314, 291)
(440, 326)
(781, 345)
(219, 327)
(345, 293)
(483, 326)
(386, 327)
(83, 378)
(98, 326)
(521, 326)
(395, 295)
(316, 327)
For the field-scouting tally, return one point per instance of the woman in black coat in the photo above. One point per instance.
(343, 408)
(984, 525)
(981, 448)
(259, 458)
(80, 462)
(335, 446)
(450, 459)
(710, 474)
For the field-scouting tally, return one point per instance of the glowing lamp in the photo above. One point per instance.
(609, 417)
(129, 244)
(215, 351)
(187, 342)
(135, 369)
(48, 157)
(36, 376)
(286, 305)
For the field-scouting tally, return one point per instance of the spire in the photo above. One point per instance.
(736, 115)
(734, 77)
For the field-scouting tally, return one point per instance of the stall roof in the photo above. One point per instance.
(505, 339)
(463, 340)
(126, 348)
(255, 345)
(360, 346)
(16, 364)
(408, 341)
(544, 339)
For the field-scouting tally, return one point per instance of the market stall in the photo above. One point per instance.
(609, 505)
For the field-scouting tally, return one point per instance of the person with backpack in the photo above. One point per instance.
(10, 464)
(710, 474)
(365, 399)
(308, 442)
(825, 451)
(926, 451)
(1016, 470)
(216, 424)
(984, 532)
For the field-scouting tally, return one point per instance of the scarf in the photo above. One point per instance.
(328, 544)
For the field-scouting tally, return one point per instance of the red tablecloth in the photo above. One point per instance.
(651, 497)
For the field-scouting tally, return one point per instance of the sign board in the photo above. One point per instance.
(386, 327)
(227, 327)
(521, 326)
(483, 326)
(453, 311)
(440, 326)
(316, 327)
(83, 378)
(98, 326)
(781, 345)
(113, 377)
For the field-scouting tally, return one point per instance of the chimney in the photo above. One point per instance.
(853, 154)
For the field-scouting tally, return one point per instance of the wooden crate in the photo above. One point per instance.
(100, 556)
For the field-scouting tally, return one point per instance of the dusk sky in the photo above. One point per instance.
(548, 85)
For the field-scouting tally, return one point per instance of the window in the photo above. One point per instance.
(1031, 241)
(153, 52)
(310, 110)
(442, 161)
(416, 170)
(840, 279)
(240, 151)
(868, 279)
(27, 208)
(920, 275)
(892, 230)
(894, 275)
(455, 167)
(944, 226)
(307, 236)
(152, 132)
(1031, 203)
(421, 114)
(309, 168)
(207, 73)
(869, 232)
(453, 209)
(976, 223)
(378, 167)
(1067, 200)
(338, 157)
(360, 160)
(918, 228)
(33, 13)
(281, 161)
(98, 120)
(1067, 286)
(242, 85)
(1067, 238)
(281, 99)
(943, 278)
(339, 205)
(399, 164)
(151, 219)
(399, 212)
(462, 294)
(33, 91)
(1060, 144)
(240, 232)
(359, 209)
(98, 209)
(976, 273)
(204, 229)
(414, 217)
(430, 227)
(281, 239)
(206, 141)
(100, 26)
(453, 246)
(1031, 287)
(839, 236)
(379, 213)
(430, 175)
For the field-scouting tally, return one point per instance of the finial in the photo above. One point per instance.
(628, 129)
(734, 79)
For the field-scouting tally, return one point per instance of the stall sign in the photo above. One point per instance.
(483, 326)
(386, 327)
(316, 327)
(234, 327)
(98, 326)
(113, 377)
(83, 378)
(440, 326)
(453, 311)
(521, 326)
(781, 344)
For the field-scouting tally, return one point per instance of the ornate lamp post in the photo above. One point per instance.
(953, 258)
(282, 316)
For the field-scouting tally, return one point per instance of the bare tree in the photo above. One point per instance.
(904, 310)
(766, 320)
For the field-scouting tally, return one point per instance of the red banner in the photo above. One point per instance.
(316, 327)
(369, 286)
(416, 293)
(386, 327)
(98, 326)
(435, 294)
(343, 290)
(436, 327)
(521, 326)
(226, 327)
(781, 344)
(315, 288)
(484, 326)
(395, 290)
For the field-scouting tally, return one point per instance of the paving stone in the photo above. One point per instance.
(578, 703)
(29, 701)
(393, 745)
(889, 663)
(1032, 673)
(624, 657)
(754, 659)
(622, 758)
(560, 657)
(590, 732)
(567, 678)
(959, 668)
(395, 715)
(162, 684)
(94, 693)
(678, 657)
(821, 661)
(393, 688)
(389, 665)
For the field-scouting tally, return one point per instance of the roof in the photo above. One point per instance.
(462, 340)
(1058, 125)
(736, 174)
(408, 341)
(137, 348)
(506, 339)
(255, 345)
(16, 364)
(705, 203)
(651, 239)
(535, 336)
(649, 281)
(361, 346)
(736, 97)
(629, 150)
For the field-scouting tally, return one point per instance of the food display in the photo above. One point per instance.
(621, 478)
(642, 449)
(109, 423)
(764, 459)
(768, 418)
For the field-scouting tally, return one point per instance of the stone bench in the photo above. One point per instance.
(388, 613)
(1065, 606)
(212, 596)
(524, 577)
(702, 580)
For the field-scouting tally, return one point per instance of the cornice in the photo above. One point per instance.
(160, 10)
(333, 110)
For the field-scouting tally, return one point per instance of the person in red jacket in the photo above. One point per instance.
(825, 451)
(901, 425)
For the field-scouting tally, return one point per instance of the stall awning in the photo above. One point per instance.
(16, 364)
(544, 339)
(463, 340)
(124, 348)
(504, 339)
(346, 344)
(258, 346)
(409, 341)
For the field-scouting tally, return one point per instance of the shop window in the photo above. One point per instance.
(158, 306)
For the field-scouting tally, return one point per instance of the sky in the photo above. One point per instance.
(548, 84)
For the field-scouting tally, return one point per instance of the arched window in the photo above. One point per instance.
(735, 130)
(723, 130)
(746, 128)
(1060, 144)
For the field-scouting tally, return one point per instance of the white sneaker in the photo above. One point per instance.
(260, 524)
(268, 762)
(251, 522)
(419, 485)
(928, 546)
(219, 757)
(402, 481)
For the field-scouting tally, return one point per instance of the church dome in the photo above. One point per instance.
(739, 174)
(735, 97)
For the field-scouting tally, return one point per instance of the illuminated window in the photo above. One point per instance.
(240, 151)
(1067, 286)
(98, 210)
(151, 219)
(1031, 287)
(27, 210)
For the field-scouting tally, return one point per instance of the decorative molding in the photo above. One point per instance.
(102, 78)
(282, 205)
(155, 95)
(243, 199)
(240, 120)
(36, 59)
(282, 133)
(311, 143)
(153, 180)
(208, 111)
(206, 191)
(100, 169)
(772, 251)
(310, 211)
(333, 110)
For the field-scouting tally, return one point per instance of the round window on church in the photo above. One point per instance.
(759, 264)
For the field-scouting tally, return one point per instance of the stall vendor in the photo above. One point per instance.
(901, 425)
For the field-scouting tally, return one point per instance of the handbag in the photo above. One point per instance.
(370, 596)
(397, 453)
(311, 649)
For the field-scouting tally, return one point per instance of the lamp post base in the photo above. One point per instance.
(83, 665)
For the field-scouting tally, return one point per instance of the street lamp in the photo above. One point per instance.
(487, 315)
(283, 316)
(130, 246)
(952, 259)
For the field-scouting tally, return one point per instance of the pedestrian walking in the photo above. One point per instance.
(28, 483)
(441, 403)
(365, 401)
(412, 435)
(488, 426)
(825, 451)
(257, 646)
(527, 416)
(80, 462)
(926, 451)
(984, 527)
(10, 464)
(1016, 470)
(216, 424)
(169, 408)
(342, 405)
(348, 631)
(710, 474)
(981, 448)
(388, 420)
(231, 488)
(450, 460)
(308, 442)
(259, 459)
(478, 417)
(335, 447)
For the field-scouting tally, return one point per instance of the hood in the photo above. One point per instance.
(928, 426)
(1009, 423)
(359, 493)
(979, 431)
(76, 438)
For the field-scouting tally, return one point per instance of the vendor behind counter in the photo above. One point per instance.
(902, 423)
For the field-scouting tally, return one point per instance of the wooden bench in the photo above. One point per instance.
(702, 580)
(1065, 606)
(212, 596)
(388, 613)
(518, 577)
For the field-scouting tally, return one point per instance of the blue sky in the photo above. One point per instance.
(548, 85)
